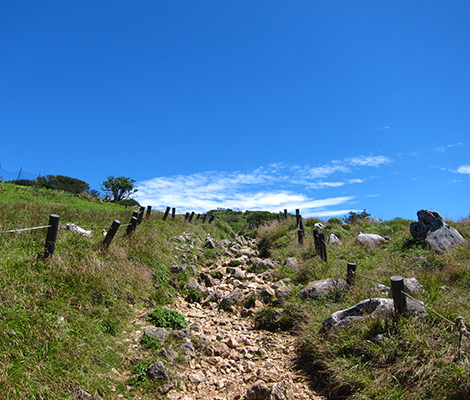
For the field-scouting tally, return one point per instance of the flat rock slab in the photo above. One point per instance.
(370, 240)
(319, 288)
(371, 308)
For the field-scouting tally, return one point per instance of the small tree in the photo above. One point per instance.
(120, 188)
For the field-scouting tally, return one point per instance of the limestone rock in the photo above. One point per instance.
(281, 391)
(370, 240)
(158, 372)
(292, 263)
(319, 225)
(259, 391)
(232, 299)
(178, 269)
(333, 239)
(319, 288)
(432, 228)
(267, 294)
(210, 243)
(376, 307)
(159, 333)
(372, 221)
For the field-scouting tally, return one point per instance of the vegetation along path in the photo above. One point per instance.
(219, 353)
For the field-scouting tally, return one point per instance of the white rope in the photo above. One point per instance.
(26, 229)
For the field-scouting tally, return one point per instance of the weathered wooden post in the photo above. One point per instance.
(149, 211)
(198, 216)
(204, 218)
(351, 275)
(317, 242)
(167, 211)
(51, 236)
(321, 239)
(191, 216)
(111, 233)
(285, 213)
(133, 223)
(278, 217)
(211, 219)
(399, 299)
(297, 215)
(173, 213)
(140, 215)
(300, 231)
(186, 216)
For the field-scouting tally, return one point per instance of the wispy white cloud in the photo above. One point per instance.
(384, 128)
(369, 161)
(443, 149)
(463, 169)
(273, 188)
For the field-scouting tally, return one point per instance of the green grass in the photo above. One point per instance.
(417, 358)
(61, 318)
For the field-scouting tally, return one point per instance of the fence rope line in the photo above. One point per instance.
(458, 325)
(26, 229)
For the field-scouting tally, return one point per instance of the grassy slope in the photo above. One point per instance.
(417, 358)
(59, 317)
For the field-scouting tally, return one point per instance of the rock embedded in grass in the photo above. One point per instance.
(319, 288)
(373, 308)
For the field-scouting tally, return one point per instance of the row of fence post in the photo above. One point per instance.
(136, 219)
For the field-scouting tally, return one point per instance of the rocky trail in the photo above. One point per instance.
(220, 355)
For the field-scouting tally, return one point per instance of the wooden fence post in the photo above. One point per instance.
(140, 215)
(149, 211)
(399, 299)
(51, 236)
(167, 211)
(204, 218)
(186, 216)
(300, 231)
(110, 235)
(317, 242)
(198, 216)
(351, 275)
(297, 215)
(211, 219)
(173, 213)
(133, 223)
(321, 239)
(285, 213)
(191, 216)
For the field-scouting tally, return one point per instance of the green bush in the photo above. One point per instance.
(165, 318)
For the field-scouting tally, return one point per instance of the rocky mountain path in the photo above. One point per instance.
(221, 356)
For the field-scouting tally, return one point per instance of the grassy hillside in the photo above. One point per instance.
(412, 358)
(59, 317)
(62, 319)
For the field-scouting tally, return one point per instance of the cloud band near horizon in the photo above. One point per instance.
(271, 188)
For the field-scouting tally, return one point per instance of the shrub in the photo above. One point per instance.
(165, 318)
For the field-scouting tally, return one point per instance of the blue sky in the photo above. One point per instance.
(326, 106)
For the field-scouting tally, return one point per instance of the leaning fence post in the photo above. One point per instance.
(285, 213)
(211, 219)
(167, 211)
(204, 218)
(51, 236)
(321, 239)
(186, 216)
(149, 210)
(133, 223)
(351, 275)
(140, 215)
(191, 216)
(399, 299)
(173, 213)
(110, 235)
(297, 215)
